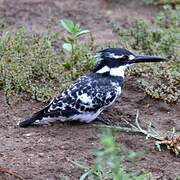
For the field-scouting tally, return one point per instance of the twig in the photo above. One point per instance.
(123, 129)
(151, 132)
(173, 142)
(4, 170)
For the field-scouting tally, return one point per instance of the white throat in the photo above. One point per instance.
(118, 71)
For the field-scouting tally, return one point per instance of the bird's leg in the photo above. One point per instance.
(103, 120)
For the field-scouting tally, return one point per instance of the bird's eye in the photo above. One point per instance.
(124, 58)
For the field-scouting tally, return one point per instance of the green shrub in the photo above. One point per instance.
(160, 37)
(173, 3)
(30, 67)
(108, 162)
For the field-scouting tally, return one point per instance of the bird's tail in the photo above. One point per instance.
(36, 116)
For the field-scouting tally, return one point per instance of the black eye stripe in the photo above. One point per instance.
(112, 57)
(115, 63)
(125, 57)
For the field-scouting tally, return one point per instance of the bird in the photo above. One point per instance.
(91, 93)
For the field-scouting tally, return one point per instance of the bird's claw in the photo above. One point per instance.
(103, 120)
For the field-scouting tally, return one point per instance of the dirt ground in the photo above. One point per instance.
(46, 152)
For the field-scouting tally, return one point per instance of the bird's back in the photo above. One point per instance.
(87, 95)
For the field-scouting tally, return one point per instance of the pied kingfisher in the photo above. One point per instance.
(90, 94)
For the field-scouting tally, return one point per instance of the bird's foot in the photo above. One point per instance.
(103, 120)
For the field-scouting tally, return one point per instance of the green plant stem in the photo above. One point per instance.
(136, 129)
(123, 129)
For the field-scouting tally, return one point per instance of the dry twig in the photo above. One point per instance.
(172, 142)
(7, 171)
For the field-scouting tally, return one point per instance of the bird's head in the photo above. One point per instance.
(113, 61)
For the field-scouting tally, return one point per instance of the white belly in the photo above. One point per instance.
(86, 117)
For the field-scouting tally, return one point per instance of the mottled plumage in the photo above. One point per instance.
(89, 95)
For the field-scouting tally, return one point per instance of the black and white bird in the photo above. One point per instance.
(90, 94)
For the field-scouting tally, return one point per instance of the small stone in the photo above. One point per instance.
(41, 154)
(163, 106)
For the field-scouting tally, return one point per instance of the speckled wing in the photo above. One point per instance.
(88, 94)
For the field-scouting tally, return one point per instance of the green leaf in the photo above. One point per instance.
(67, 47)
(67, 65)
(141, 177)
(84, 176)
(68, 25)
(82, 32)
(77, 28)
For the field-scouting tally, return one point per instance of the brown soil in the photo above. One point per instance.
(46, 152)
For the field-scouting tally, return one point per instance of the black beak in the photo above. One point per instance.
(144, 59)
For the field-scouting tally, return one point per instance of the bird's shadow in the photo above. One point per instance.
(65, 124)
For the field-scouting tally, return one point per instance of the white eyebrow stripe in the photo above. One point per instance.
(112, 55)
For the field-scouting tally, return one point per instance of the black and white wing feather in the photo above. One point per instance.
(83, 100)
